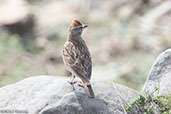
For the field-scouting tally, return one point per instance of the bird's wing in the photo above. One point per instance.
(78, 59)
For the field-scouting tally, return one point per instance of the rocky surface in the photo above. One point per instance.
(157, 84)
(52, 95)
(159, 77)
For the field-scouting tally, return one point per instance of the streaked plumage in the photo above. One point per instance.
(76, 56)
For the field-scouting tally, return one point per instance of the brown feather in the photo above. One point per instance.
(76, 23)
(77, 58)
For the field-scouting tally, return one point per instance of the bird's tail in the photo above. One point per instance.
(89, 91)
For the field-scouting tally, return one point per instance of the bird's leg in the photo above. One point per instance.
(72, 82)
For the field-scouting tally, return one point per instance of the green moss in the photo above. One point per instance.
(147, 104)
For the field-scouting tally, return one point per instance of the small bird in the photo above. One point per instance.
(77, 58)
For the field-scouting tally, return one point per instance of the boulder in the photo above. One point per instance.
(54, 95)
(159, 78)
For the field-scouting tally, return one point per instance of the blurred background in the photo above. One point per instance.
(124, 37)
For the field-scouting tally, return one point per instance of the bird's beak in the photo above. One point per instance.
(84, 26)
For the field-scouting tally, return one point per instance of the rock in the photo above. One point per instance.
(159, 77)
(52, 95)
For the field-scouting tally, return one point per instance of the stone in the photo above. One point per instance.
(54, 95)
(159, 78)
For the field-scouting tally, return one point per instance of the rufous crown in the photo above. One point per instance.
(76, 23)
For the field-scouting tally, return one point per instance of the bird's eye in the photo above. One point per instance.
(76, 28)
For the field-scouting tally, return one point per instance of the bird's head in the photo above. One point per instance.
(76, 27)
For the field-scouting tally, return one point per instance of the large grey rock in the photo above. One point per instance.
(52, 95)
(159, 77)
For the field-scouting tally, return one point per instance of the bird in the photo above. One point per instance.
(77, 58)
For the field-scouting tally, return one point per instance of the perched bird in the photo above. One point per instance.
(76, 57)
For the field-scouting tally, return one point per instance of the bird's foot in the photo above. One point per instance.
(72, 84)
